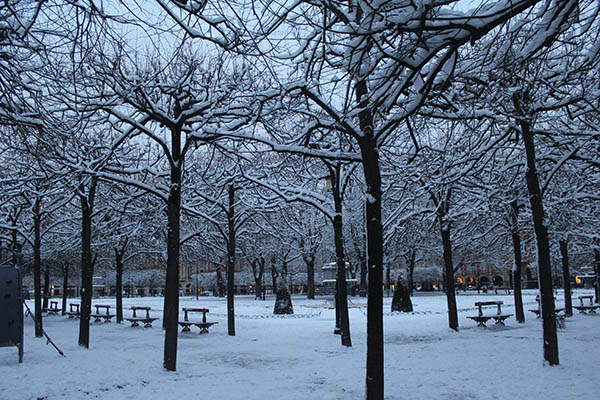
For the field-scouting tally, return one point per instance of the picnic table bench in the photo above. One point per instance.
(53, 309)
(587, 308)
(135, 320)
(482, 319)
(186, 323)
(73, 313)
(106, 316)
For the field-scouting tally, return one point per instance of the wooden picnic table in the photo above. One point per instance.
(145, 308)
(186, 323)
(481, 304)
(73, 313)
(135, 320)
(187, 310)
(53, 309)
(106, 316)
(587, 308)
(481, 319)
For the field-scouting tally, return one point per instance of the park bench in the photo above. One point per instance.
(186, 323)
(53, 309)
(587, 308)
(98, 316)
(482, 319)
(538, 310)
(135, 320)
(559, 313)
(73, 310)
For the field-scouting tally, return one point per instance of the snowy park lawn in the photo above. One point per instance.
(298, 357)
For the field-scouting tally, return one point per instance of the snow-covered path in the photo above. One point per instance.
(299, 357)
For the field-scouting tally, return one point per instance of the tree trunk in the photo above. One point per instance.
(517, 270)
(401, 300)
(258, 275)
(564, 252)
(46, 296)
(388, 278)
(597, 273)
(411, 272)
(374, 228)
(310, 276)
(283, 298)
(543, 247)
(372, 173)
(337, 329)
(231, 261)
(220, 289)
(65, 288)
(87, 206)
(119, 284)
(362, 289)
(16, 247)
(171, 307)
(341, 285)
(37, 268)
(274, 275)
(257, 287)
(449, 274)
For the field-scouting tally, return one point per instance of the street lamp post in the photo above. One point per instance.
(196, 281)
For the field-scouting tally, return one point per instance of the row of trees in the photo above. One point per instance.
(204, 125)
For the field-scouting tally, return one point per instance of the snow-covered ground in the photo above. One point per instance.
(298, 357)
